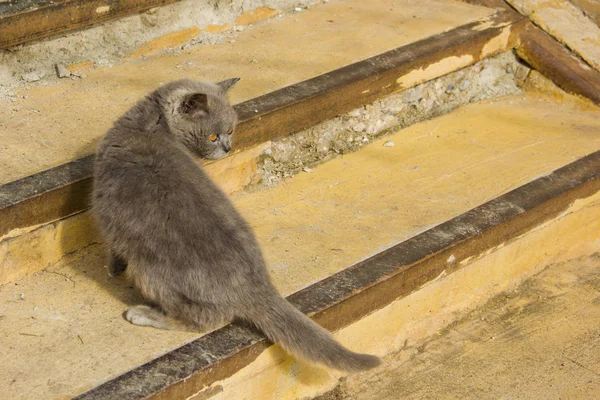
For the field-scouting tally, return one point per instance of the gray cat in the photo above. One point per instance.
(177, 235)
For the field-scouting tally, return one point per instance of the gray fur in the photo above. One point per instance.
(178, 236)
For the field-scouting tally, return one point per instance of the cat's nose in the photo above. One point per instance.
(227, 147)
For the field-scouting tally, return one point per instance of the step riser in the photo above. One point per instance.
(550, 219)
(62, 191)
(406, 322)
(32, 245)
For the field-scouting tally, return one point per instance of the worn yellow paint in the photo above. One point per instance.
(161, 43)
(424, 313)
(29, 250)
(311, 226)
(102, 9)
(179, 38)
(45, 246)
(486, 24)
(79, 67)
(65, 121)
(218, 28)
(434, 70)
(257, 15)
(496, 44)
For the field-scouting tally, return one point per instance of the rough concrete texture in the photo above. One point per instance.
(66, 333)
(493, 77)
(428, 310)
(539, 341)
(566, 23)
(64, 121)
(107, 43)
(568, 129)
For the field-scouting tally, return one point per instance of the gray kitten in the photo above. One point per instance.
(177, 235)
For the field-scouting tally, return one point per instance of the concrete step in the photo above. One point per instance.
(460, 208)
(293, 91)
(533, 342)
(383, 245)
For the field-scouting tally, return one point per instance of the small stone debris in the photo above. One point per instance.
(22, 296)
(464, 84)
(450, 88)
(238, 28)
(306, 169)
(35, 308)
(389, 144)
(62, 71)
(359, 127)
(297, 9)
(33, 76)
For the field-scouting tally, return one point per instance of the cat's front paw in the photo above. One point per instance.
(140, 315)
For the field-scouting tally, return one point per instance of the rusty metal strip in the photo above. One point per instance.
(61, 191)
(355, 292)
(61, 16)
(559, 64)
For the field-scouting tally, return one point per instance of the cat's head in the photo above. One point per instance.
(199, 115)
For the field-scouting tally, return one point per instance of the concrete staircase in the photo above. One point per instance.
(400, 167)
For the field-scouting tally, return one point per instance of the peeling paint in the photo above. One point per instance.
(434, 70)
(498, 43)
(487, 24)
(102, 9)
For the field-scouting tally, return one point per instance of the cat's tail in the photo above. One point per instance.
(282, 323)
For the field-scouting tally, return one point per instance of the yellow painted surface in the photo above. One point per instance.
(164, 42)
(65, 121)
(218, 28)
(536, 341)
(83, 66)
(499, 42)
(179, 38)
(256, 15)
(67, 334)
(26, 251)
(428, 310)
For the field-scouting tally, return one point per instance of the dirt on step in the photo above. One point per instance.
(541, 341)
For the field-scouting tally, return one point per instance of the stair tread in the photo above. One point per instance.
(67, 334)
(64, 121)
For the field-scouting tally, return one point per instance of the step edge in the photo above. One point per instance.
(63, 190)
(367, 286)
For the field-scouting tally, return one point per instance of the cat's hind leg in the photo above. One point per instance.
(149, 316)
(116, 264)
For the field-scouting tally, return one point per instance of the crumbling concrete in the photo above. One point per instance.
(108, 43)
(493, 77)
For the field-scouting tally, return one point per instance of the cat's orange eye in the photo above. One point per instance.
(229, 132)
(213, 138)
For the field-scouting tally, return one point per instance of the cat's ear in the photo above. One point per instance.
(195, 105)
(228, 84)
